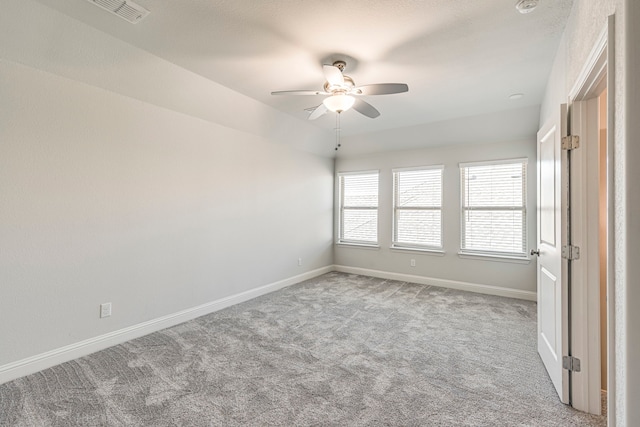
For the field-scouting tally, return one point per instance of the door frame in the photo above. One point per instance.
(597, 73)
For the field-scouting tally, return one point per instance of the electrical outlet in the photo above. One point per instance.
(105, 309)
(413, 263)
(299, 262)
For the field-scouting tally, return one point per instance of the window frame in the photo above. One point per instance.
(524, 208)
(341, 208)
(395, 244)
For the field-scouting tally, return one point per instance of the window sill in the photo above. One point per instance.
(496, 258)
(435, 252)
(371, 246)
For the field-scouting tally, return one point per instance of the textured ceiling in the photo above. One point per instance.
(460, 58)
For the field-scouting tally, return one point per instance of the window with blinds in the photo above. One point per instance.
(494, 211)
(358, 222)
(417, 208)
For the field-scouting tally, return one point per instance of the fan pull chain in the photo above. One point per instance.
(338, 145)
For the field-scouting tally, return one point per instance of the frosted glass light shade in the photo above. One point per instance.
(339, 103)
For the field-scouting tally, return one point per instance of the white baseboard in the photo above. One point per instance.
(443, 283)
(54, 357)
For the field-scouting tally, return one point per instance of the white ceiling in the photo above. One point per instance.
(460, 58)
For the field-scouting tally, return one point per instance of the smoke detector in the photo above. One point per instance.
(526, 6)
(125, 9)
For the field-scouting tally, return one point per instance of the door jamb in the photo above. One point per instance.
(598, 67)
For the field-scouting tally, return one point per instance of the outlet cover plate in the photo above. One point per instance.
(105, 309)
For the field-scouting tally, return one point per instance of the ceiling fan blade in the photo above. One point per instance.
(320, 110)
(299, 92)
(381, 89)
(333, 75)
(365, 108)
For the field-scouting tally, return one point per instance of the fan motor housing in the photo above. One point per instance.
(348, 85)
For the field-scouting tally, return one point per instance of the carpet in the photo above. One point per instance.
(337, 350)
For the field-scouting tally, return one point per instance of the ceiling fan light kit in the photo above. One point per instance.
(339, 102)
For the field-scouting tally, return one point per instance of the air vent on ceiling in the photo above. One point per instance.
(127, 10)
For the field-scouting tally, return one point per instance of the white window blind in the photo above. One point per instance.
(358, 208)
(417, 208)
(494, 210)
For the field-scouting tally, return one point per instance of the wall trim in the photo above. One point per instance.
(443, 283)
(60, 355)
(595, 64)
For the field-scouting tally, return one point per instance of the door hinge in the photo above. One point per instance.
(570, 142)
(570, 252)
(571, 363)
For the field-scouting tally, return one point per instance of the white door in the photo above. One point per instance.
(552, 290)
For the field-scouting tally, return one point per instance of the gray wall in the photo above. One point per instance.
(131, 199)
(450, 266)
(628, 268)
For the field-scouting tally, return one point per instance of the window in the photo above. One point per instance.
(417, 208)
(494, 211)
(358, 223)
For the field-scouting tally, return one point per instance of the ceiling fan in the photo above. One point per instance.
(342, 93)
